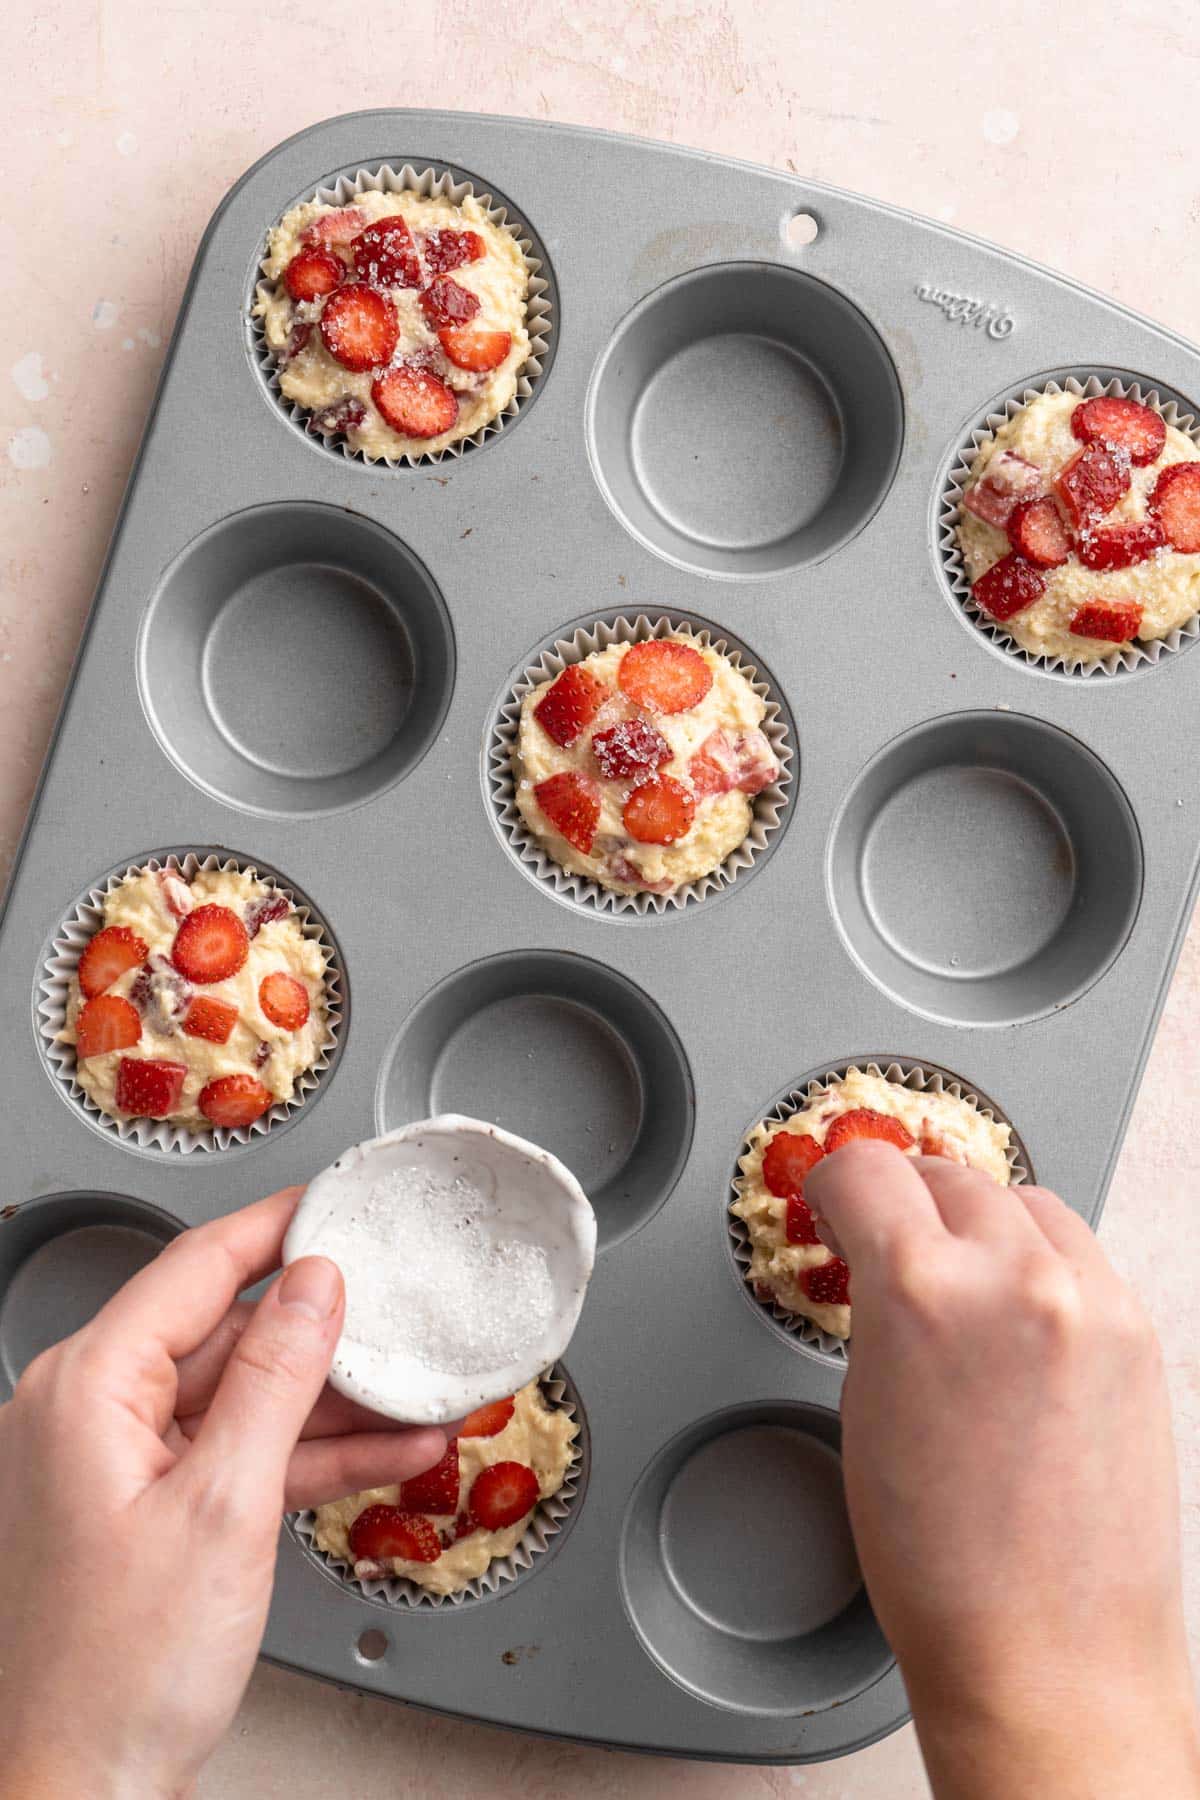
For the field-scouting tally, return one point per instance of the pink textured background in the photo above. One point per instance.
(129, 122)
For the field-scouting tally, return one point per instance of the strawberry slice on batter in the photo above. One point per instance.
(471, 347)
(106, 1023)
(107, 957)
(1125, 426)
(210, 945)
(1176, 504)
(570, 704)
(1120, 546)
(414, 401)
(341, 226)
(1008, 587)
(436, 1490)
(664, 676)
(232, 1101)
(359, 327)
(284, 999)
(313, 273)
(1114, 621)
(176, 893)
(385, 255)
(149, 1088)
(756, 763)
(1090, 485)
(828, 1284)
(1037, 532)
(445, 249)
(1007, 480)
(488, 1421)
(799, 1226)
(864, 1122)
(501, 1494)
(714, 767)
(382, 1532)
(630, 749)
(446, 302)
(265, 912)
(212, 1020)
(571, 802)
(659, 811)
(787, 1160)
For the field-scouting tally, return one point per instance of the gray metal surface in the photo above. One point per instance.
(317, 690)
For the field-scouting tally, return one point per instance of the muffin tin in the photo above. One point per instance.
(981, 867)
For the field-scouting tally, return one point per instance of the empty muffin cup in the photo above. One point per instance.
(744, 420)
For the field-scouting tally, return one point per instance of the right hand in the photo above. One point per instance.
(1010, 1475)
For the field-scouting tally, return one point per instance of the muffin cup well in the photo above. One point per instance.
(800, 1331)
(430, 183)
(769, 806)
(1122, 661)
(550, 1519)
(68, 944)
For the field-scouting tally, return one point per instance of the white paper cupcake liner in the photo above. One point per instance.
(539, 320)
(550, 1519)
(1123, 661)
(768, 807)
(76, 932)
(799, 1331)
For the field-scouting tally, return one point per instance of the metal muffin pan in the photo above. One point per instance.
(982, 870)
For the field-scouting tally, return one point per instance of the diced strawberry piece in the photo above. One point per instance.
(444, 249)
(148, 1088)
(1116, 621)
(234, 1100)
(622, 869)
(414, 401)
(488, 1421)
(1120, 546)
(385, 254)
(1176, 502)
(381, 1532)
(339, 227)
(176, 893)
(570, 704)
(501, 1494)
(446, 302)
(865, 1122)
(1036, 531)
(571, 802)
(435, 1491)
(1008, 587)
(629, 749)
(107, 957)
(1123, 425)
(359, 327)
(787, 1159)
(659, 811)
(757, 767)
(262, 1055)
(346, 414)
(801, 1227)
(297, 338)
(714, 769)
(106, 1023)
(265, 912)
(828, 1284)
(1007, 479)
(471, 347)
(313, 273)
(210, 945)
(160, 993)
(934, 1144)
(1090, 485)
(210, 1019)
(664, 676)
(284, 1000)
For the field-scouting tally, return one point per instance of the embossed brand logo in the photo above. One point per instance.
(961, 309)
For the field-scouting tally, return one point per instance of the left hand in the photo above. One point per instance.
(144, 1467)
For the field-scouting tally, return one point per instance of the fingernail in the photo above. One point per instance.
(313, 1285)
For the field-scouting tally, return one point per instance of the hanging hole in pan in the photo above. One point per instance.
(800, 230)
(372, 1645)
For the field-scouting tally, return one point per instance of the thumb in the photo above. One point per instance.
(271, 1383)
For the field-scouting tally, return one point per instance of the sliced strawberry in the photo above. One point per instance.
(414, 401)
(210, 945)
(446, 302)
(1036, 531)
(1120, 546)
(1176, 502)
(385, 254)
(757, 767)
(801, 1227)
(828, 1284)
(445, 249)
(501, 1494)
(1134, 430)
(381, 1532)
(176, 893)
(1115, 621)
(1008, 587)
(1090, 485)
(106, 958)
(464, 1526)
(659, 811)
(313, 273)
(346, 414)
(571, 802)
(934, 1144)
(714, 769)
(339, 227)
(435, 1491)
(359, 327)
(265, 912)
(1007, 479)
(570, 704)
(471, 347)
(864, 1122)
(787, 1159)
(148, 1088)
(488, 1421)
(234, 1100)
(630, 749)
(210, 1019)
(664, 676)
(106, 1023)
(284, 999)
